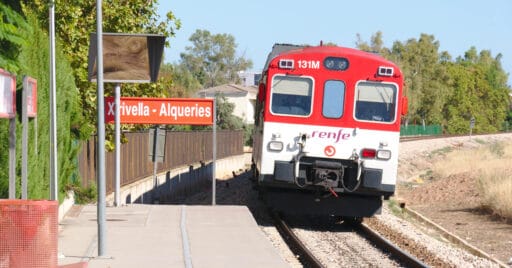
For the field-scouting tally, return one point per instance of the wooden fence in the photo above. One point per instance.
(182, 148)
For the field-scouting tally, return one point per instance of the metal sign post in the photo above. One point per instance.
(471, 126)
(28, 109)
(54, 174)
(101, 218)
(12, 158)
(24, 139)
(117, 184)
(165, 111)
(214, 149)
(140, 66)
(136, 66)
(157, 138)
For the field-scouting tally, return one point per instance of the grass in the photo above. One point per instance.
(84, 195)
(441, 151)
(496, 186)
(492, 164)
(395, 207)
(480, 141)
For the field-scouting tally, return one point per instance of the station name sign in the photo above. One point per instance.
(164, 111)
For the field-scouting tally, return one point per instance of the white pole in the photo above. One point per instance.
(54, 192)
(12, 158)
(214, 149)
(155, 161)
(117, 201)
(24, 138)
(101, 134)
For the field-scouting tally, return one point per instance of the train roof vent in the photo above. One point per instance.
(385, 71)
(285, 64)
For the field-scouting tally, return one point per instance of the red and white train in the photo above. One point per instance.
(327, 130)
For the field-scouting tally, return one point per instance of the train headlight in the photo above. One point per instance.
(275, 146)
(336, 64)
(384, 154)
(286, 64)
(385, 71)
(376, 154)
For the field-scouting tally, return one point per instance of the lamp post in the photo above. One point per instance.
(100, 172)
(54, 178)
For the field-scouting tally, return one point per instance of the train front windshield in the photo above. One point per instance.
(291, 95)
(375, 102)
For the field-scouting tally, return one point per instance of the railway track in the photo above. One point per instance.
(387, 246)
(308, 259)
(299, 249)
(432, 137)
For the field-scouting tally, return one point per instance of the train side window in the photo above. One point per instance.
(375, 102)
(291, 95)
(334, 99)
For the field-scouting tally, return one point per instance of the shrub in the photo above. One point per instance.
(496, 186)
(84, 195)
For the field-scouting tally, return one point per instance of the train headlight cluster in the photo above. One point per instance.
(384, 154)
(385, 71)
(275, 146)
(336, 64)
(286, 64)
(376, 154)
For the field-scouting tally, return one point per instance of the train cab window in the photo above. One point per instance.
(291, 95)
(375, 101)
(334, 99)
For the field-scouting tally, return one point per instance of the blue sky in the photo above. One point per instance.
(257, 25)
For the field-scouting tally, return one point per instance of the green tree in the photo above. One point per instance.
(75, 20)
(447, 92)
(12, 26)
(376, 44)
(211, 59)
(12, 29)
(184, 84)
(424, 77)
(32, 60)
(507, 125)
(479, 91)
(225, 117)
(457, 112)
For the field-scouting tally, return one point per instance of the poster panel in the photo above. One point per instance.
(31, 88)
(7, 94)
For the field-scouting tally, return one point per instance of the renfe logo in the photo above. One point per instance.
(336, 136)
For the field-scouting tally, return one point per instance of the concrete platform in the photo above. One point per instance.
(166, 236)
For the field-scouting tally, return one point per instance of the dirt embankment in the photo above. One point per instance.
(454, 201)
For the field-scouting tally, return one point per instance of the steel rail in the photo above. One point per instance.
(298, 248)
(388, 247)
(445, 136)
